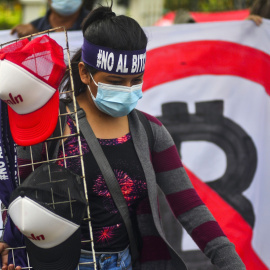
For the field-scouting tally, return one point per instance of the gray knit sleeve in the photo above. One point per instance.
(187, 206)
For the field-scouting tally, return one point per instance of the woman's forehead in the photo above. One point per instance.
(122, 76)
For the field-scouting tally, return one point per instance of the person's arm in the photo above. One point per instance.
(35, 26)
(4, 255)
(187, 206)
(3, 245)
(24, 30)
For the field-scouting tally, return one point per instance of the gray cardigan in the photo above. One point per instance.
(171, 201)
(171, 195)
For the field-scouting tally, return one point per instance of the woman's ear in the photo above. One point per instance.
(84, 73)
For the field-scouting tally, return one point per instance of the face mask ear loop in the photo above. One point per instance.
(90, 88)
(93, 79)
(91, 92)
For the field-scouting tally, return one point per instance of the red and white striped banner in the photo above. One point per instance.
(231, 15)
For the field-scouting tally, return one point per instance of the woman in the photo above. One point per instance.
(108, 77)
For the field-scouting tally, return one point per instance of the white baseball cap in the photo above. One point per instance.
(48, 208)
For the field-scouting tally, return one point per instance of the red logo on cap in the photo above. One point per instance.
(14, 100)
(33, 237)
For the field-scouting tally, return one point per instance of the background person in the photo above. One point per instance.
(260, 9)
(183, 16)
(67, 13)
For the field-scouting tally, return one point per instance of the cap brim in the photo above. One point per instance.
(65, 256)
(33, 128)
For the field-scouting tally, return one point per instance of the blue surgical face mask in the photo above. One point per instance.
(116, 100)
(66, 7)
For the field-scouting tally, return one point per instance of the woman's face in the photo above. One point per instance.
(108, 78)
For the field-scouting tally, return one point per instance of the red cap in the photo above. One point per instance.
(30, 74)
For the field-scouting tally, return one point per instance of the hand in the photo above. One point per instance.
(24, 30)
(255, 18)
(11, 267)
(4, 254)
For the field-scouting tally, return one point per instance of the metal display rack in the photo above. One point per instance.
(62, 138)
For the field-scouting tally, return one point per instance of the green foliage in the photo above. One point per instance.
(10, 14)
(207, 5)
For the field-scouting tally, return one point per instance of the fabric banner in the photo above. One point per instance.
(209, 84)
(232, 15)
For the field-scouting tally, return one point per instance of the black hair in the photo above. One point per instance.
(102, 27)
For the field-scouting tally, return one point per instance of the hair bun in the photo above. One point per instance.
(110, 14)
(106, 14)
(99, 14)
